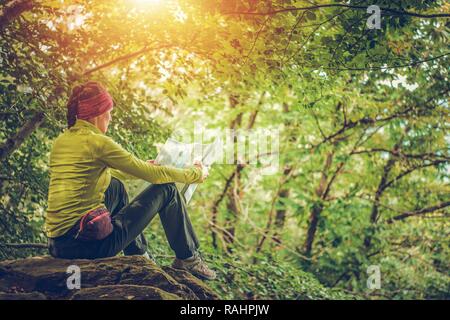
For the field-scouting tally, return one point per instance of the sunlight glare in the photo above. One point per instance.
(147, 2)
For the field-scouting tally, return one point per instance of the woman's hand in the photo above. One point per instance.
(205, 171)
(153, 162)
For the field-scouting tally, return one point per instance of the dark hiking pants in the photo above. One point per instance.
(129, 221)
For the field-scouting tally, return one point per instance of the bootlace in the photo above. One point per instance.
(200, 262)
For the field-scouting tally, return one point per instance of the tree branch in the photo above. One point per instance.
(363, 121)
(412, 64)
(341, 5)
(13, 9)
(14, 142)
(419, 212)
(400, 176)
(125, 57)
(422, 156)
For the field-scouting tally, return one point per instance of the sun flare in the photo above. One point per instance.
(147, 2)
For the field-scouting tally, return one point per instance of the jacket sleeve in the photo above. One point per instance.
(121, 175)
(115, 157)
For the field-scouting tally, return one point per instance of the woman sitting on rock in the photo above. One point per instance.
(88, 214)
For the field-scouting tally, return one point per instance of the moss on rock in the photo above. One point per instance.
(112, 278)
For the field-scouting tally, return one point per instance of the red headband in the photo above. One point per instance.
(95, 106)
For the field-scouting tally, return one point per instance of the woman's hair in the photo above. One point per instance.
(81, 92)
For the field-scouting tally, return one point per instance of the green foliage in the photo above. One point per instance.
(265, 277)
(268, 279)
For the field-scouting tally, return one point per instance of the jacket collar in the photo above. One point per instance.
(86, 124)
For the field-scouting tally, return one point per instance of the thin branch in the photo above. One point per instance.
(318, 124)
(423, 156)
(341, 5)
(224, 192)
(363, 121)
(403, 174)
(288, 172)
(125, 57)
(341, 166)
(292, 32)
(314, 31)
(412, 64)
(256, 39)
(419, 212)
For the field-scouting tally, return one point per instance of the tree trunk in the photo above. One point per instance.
(14, 142)
(312, 228)
(280, 216)
(215, 209)
(233, 198)
(13, 9)
(317, 208)
(232, 207)
(232, 189)
(235, 193)
(374, 214)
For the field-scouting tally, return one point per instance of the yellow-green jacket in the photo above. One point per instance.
(82, 162)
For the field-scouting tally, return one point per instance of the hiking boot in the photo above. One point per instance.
(196, 266)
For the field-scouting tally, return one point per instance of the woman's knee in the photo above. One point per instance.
(156, 196)
(168, 191)
(171, 189)
(170, 186)
(166, 187)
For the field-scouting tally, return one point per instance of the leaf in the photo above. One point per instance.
(310, 15)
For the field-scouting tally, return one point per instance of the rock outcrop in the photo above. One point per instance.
(128, 278)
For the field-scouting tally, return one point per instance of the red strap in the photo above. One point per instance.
(82, 221)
